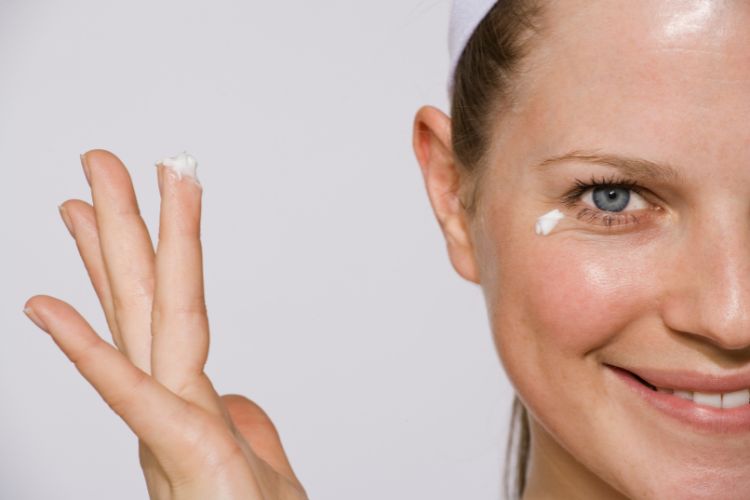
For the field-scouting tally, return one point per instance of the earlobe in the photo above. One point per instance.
(442, 178)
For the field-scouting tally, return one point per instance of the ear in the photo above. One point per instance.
(434, 150)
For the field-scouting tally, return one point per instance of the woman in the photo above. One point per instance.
(621, 319)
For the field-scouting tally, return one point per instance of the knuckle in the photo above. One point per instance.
(189, 309)
(229, 453)
(184, 387)
(87, 353)
(129, 213)
(188, 230)
(203, 438)
(217, 445)
(134, 303)
(123, 399)
(123, 304)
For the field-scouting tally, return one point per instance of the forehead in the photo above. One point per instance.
(668, 80)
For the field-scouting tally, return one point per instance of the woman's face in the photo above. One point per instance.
(654, 279)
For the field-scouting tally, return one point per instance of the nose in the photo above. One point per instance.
(707, 290)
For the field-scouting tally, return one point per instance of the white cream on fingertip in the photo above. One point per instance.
(182, 164)
(547, 222)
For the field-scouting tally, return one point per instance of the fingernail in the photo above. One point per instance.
(169, 177)
(66, 219)
(182, 166)
(35, 319)
(85, 166)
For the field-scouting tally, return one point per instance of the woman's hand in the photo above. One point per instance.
(193, 444)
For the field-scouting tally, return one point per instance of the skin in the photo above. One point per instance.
(193, 443)
(666, 81)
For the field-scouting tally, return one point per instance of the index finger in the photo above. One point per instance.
(170, 426)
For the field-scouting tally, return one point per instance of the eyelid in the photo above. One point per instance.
(572, 197)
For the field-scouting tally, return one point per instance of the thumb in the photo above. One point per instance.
(256, 427)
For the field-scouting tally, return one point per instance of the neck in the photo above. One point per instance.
(553, 473)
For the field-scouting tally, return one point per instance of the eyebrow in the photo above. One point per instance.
(631, 166)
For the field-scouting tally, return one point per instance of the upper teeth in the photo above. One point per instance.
(717, 400)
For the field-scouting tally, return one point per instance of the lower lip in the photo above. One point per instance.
(702, 418)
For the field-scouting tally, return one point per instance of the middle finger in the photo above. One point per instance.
(127, 252)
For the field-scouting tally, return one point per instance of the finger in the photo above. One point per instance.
(260, 433)
(126, 249)
(81, 219)
(179, 320)
(167, 424)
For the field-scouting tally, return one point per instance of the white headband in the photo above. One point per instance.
(465, 17)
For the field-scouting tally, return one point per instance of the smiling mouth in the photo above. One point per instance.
(723, 400)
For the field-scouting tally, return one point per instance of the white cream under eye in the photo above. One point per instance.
(547, 222)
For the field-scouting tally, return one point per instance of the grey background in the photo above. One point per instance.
(331, 299)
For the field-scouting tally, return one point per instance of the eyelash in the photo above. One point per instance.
(593, 215)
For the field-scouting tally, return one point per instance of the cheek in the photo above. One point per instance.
(579, 296)
(565, 297)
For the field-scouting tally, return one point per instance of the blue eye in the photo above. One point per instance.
(611, 199)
